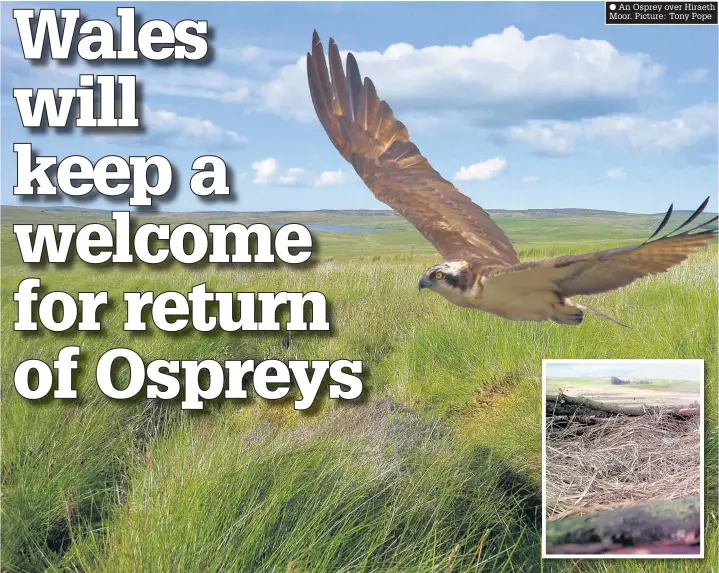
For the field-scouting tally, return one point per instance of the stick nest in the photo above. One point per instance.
(619, 461)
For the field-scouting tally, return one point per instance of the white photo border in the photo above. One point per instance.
(700, 363)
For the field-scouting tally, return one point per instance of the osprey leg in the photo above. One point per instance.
(570, 315)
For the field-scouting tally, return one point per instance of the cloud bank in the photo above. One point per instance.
(499, 80)
(692, 132)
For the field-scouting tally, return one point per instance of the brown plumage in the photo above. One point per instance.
(364, 130)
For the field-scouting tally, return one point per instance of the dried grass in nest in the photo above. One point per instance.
(621, 462)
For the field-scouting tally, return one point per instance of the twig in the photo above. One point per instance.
(555, 402)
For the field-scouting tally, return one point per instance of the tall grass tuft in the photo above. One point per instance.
(436, 469)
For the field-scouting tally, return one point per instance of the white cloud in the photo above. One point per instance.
(265, 170)
(189, 132)
(327, 178)
(294, 176)
(169, 129)
(552, 138)
(482, 171)
(616, 173)
(692, 132)
(498, 80)
(697, 76)
(199, 83)
(530, 179)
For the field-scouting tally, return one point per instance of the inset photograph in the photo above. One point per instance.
(623, 458)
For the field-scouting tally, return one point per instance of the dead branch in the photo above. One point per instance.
(562, 404)
(665, 523)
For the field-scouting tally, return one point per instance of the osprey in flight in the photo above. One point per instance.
(481, 268)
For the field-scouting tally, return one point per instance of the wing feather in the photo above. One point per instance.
(364, 130)
(610, 269)
(355, 82)
(341, 99)
(372, 103)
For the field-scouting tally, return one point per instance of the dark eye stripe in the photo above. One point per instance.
(452, 280)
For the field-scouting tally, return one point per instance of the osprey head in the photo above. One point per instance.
(446, 278)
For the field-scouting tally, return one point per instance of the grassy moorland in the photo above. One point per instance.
(436, 468)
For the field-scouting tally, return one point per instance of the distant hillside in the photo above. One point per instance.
(12, 210)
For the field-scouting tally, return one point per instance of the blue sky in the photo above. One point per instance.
(521, 105)
(659, 369)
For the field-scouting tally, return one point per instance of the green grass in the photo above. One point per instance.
(438, 464)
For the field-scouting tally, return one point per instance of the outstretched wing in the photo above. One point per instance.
(364, 130)
(603, 271)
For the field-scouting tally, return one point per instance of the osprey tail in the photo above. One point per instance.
(599, 314)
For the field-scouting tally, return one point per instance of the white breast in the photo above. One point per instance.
(511, 297)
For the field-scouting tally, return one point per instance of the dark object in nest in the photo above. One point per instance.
(659, 527)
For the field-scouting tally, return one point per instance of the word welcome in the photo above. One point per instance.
(151, 243)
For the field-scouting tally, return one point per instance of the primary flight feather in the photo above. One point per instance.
(481, 268)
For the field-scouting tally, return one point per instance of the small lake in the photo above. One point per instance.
(342, 228)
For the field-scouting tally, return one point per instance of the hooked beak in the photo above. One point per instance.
(425, 283)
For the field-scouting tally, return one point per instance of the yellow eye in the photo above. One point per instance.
(438, 275)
